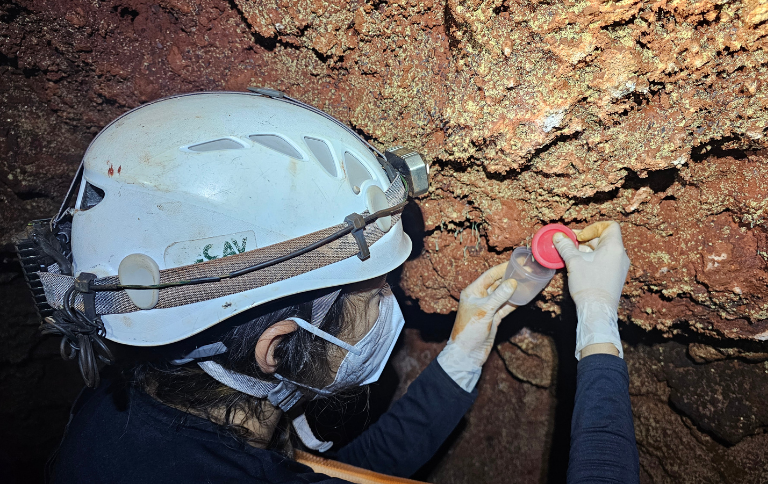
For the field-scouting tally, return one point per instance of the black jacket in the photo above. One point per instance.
(139, 440)
(128, 437)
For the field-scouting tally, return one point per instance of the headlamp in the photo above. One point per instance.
(412, 166)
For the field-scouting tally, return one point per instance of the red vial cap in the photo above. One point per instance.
(543, 248)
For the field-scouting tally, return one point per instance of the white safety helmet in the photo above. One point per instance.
(201, 185)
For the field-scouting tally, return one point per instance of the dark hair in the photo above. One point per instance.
(300, 356)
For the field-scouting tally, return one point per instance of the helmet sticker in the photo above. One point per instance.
(201, 250)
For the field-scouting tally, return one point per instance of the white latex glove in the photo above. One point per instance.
(595, 281)
(482, 306)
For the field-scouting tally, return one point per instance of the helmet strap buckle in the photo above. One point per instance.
(82, 282)
(357, 222)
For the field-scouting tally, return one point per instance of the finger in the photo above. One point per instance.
(565, 247)
(593, 231)
(590, 245)
(504, 311)
(587, 246)
(611, 235)
(494, 286)
(501, 295)
(481, 284)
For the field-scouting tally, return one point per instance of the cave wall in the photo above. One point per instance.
(650, 113)
(698, 409)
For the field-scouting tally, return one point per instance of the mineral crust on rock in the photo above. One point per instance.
(650, 113)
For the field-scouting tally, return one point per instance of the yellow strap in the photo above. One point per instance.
(347, 472)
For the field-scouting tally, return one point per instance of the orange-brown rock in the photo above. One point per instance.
(530, 357)
(649, 113)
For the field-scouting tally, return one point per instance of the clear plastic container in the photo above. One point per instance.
(531, 276)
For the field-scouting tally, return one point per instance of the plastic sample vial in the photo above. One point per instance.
(533, 268)
(543, 247)
(531, 276)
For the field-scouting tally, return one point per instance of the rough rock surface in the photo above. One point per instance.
(724, 398)
(509, 418)
(650, 113)
(686, 446)
(412, 358)
(530, 357)
(701, 353)
(694, 422)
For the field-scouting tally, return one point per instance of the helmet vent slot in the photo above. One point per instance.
(92, 196)
(356, 171)
(217, 145)
(322, 153)
(274, 142)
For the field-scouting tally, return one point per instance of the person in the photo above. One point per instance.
(603, 447)
(215, 229)
(243, 240)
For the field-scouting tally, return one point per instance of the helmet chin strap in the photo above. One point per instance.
(283, 394)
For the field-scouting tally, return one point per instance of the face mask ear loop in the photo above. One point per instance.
(306, 435)
(322, 334)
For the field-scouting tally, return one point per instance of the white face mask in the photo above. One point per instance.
(362, 365)
(365, 360)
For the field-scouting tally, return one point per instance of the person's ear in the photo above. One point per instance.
(268, 341)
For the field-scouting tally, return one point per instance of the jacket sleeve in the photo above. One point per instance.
(603, 448)
(409, 434)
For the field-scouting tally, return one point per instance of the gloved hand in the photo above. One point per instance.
(482, 306)
(596, 274)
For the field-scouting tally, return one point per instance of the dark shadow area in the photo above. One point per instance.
(125, 12)
(342, 418)
(413, 224)
(38, 388)
(451, 27)
(268, 43)
(11, 11)
(598, 197)
(718, 148)
(12, 62)
(633, 335)
(658, 181)
(562, 329)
